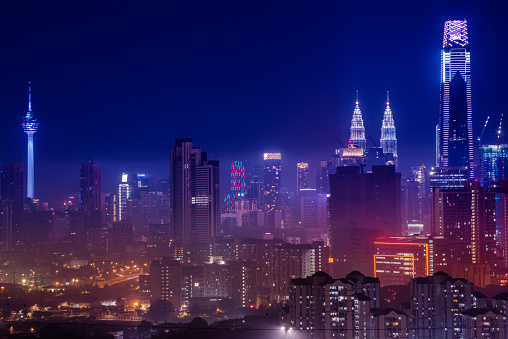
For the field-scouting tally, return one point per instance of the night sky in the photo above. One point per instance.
(117, 82)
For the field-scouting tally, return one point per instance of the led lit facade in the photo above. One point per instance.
(388, 136)
(455, 140)
(229, 203)
(238, 178)
(30, 126)
(494, 164)
(357, 131)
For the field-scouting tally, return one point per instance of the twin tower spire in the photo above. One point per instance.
(388, 139)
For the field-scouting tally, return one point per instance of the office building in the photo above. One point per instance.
(493, 164)
(30, 126)
(124, 193)
(90, 176)
(194, 195)
(322, 185)
(467, 217)
(357, 131)
(272, 182)
(302, 176)
(455, 129)
(448, 177)
(12, 187)
(362, 206)
(388, 140)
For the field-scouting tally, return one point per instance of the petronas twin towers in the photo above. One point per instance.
(388, 139)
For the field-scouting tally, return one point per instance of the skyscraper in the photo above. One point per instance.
(362, 206)
(30, 126)
(90, 187)
(271, 182)
(455, 139)
(302, 176)
(12, 185)
(388, 137)
(124, 193)
(494, 164)
(357, 131)
(194, 195)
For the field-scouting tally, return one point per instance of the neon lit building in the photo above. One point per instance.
(229, 203)
(357, 131)
(455, 139)
(238, 179)
(30, 126)
(388, 136)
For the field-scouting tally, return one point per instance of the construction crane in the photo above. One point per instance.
(483, 131)
(340, 142)
(499, 129)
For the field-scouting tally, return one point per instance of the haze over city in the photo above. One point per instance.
(118, 83)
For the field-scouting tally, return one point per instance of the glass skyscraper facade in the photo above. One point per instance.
(455, 139)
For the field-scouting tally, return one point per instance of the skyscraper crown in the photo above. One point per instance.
(455, 33)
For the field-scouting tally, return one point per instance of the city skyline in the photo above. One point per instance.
(319, 89)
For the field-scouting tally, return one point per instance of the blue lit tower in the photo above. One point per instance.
(455, 139)
(357, 130)
(30, 126)
(388, 137)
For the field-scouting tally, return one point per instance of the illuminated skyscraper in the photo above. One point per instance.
(271, 182)
(357, 130)
(124, 193)
(238, 178)
(455, 141)
(302, 176)
(494, 164)
(30, 126)
(388, 137)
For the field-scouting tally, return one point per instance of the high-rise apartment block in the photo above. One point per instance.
(455, 129)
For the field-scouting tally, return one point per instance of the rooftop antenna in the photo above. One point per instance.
(356, 96)
(388, 97)
(29, 97)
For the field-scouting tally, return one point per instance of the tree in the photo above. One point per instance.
(160, 310)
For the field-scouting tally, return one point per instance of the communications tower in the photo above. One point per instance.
(30, 126)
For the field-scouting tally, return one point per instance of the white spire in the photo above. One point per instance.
(357, 131)
(388, 136)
